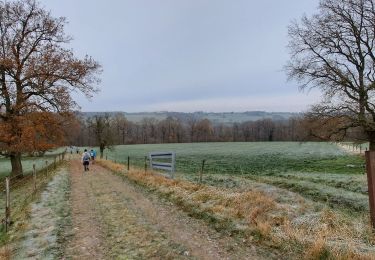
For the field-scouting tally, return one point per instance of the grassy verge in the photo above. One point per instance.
(49, 225)
(22, 195)
(295, 228)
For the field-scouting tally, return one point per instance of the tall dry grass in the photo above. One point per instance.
(324, 234)
(5, 252)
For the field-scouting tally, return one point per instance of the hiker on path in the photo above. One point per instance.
(86, 160)
(93, 155)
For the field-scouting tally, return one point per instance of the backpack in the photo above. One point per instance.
(86, 157)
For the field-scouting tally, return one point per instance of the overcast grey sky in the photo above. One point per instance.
(187, 55)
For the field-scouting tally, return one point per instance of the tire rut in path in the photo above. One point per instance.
(132, 224)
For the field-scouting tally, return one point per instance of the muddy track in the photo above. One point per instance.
(111, 218)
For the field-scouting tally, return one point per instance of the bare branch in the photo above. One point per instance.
(334, 51)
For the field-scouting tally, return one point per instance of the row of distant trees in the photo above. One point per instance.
(116, 129)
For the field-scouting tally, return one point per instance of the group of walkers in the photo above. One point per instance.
(73, 149)
(87, 157)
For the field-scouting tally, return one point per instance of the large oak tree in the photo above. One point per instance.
(333, 50)
(38, 73)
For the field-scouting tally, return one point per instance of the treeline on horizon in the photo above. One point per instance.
(116, 129)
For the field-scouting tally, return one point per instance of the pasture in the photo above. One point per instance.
(305, 199)
(27, 162)
(257, 158)
(320, 171)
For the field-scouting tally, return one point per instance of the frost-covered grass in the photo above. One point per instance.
(22, 194)
(27, 163)
(347, 191)
(355, 202)
(320, 171)
(349, 182)
(249, 158)
(265, 214)
(48, 217)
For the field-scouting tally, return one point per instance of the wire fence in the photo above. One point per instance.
(185, 165)
(210, 165)
(354, 147)
(19, 190)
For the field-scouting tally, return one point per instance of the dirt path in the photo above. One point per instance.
(87, 240)
(111, 218)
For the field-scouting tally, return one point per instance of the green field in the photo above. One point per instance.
(318, 170)
(27, 162)
(257, 158)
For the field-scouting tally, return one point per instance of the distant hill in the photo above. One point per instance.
(216, 118)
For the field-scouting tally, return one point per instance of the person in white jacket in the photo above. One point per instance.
(86, 160)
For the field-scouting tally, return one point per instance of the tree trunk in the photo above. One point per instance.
(370, 169)
(101, 148)
(15, 160)
(371, 139)
(123, 136)
(270, 136)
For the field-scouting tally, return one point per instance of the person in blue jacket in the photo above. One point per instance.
(93, 155)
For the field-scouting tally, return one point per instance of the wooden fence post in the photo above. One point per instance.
(7, 204)
(54, 163)
(46, 167)
(145, 163)
(106, 157)
(128, 163)
(370, 169)
(201, 172)
(34, 176)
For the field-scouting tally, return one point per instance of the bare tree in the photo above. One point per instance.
(102, 129)
(171, 130)
(122, 127)
(37, 74)
(334, 51)
(203, 130)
